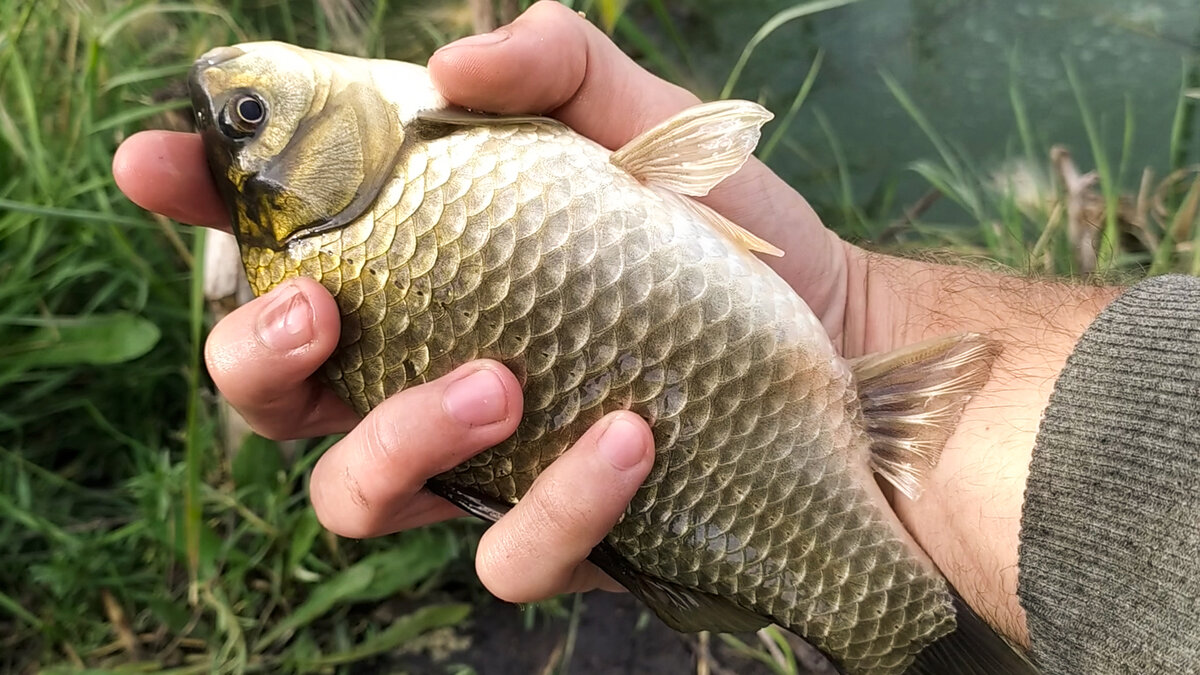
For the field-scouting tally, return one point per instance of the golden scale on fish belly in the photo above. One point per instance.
(446, 236)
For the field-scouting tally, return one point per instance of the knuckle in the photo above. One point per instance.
(381, 434)
(555, 511)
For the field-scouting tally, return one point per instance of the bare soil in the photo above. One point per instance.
(616, 636)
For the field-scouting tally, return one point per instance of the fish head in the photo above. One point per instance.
(301, 142)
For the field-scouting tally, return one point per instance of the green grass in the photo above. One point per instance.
(127, 534)
(129, 538)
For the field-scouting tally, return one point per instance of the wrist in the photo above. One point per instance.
(968, 518)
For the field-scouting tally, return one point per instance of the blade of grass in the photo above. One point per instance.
(70, 214)
(15, 608)
(402, 630)
(122, 20)
(1020, 111)
(1109, 242)
(633, 35)
(659, 8)
(910, 107)
(136, 114)
(785, 123)
(32, 122)
(773, 24)
(1180, 123)
(850, 215)
(139, 76)
(195, 442)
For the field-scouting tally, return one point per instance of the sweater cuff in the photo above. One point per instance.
(1110, 533)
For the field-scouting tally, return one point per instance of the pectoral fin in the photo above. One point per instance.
(684, 609)
(484, 508)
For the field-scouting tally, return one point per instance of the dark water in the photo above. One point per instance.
(958, 61)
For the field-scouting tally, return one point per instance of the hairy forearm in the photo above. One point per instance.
(969, 517)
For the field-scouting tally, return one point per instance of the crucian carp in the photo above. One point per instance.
(447, 235)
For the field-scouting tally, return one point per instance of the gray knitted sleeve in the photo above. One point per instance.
(1110, 534)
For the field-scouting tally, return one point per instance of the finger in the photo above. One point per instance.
(540, 547)
(363, 486)
(551, 60)
(264, 354)
(166, 172)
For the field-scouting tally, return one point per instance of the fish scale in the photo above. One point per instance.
(675, 325)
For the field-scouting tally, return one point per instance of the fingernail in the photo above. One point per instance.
(622, 444)
(288, 322)
(480, 40)
(476, 400)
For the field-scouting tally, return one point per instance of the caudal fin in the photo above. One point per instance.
(912, 398)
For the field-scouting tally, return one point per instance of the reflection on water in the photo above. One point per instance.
(958, 60)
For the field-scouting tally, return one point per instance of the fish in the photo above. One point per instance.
(446, 235)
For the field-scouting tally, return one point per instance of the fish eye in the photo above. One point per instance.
(243, 115)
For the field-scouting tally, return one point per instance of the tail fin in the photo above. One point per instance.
(912, 398)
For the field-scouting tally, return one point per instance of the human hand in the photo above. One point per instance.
(262, 357)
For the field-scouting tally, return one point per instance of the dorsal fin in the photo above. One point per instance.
(464, 117)
(912, 398)
(694, 150)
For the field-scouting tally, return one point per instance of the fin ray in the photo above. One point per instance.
(736, 233)
(464, 117)
(694, 150)
(912, 398)
(484, 508)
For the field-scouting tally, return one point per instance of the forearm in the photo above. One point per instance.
(969, 517)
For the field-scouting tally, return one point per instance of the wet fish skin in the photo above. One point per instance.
(520, 240)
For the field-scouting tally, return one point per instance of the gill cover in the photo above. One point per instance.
(326, 147)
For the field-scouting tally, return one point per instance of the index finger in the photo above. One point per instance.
(166, 172)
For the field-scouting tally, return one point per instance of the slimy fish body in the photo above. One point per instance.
(447, 236)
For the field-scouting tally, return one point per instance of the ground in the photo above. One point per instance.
(613, 638)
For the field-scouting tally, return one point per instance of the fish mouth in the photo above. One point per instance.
(218, 151)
